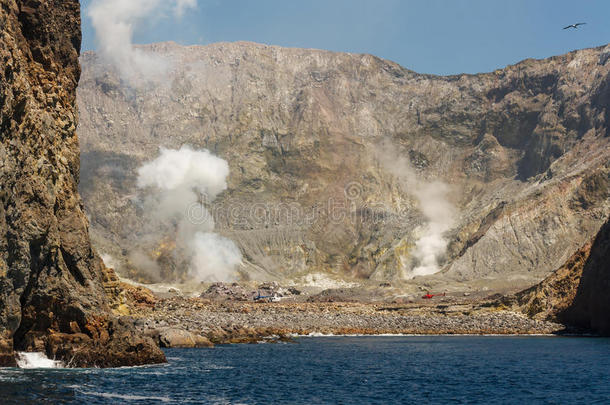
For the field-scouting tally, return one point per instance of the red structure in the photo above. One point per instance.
(429, 296)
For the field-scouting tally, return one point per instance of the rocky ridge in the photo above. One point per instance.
(52, 282)
(525, 149)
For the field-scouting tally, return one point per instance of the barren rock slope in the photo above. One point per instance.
(525, 151)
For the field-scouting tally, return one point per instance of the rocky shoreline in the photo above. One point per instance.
(197, 322)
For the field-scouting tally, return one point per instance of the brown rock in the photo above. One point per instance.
(52, 283)
(556, 293)
(591, 306)
(576, 294)
(172, 337)
(139, 297)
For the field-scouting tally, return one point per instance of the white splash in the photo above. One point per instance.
(123, 398)
(36, 360)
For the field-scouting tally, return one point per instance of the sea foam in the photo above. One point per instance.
(36, 360)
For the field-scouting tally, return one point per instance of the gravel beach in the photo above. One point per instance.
(247, 322)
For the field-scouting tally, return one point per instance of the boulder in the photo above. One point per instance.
(174, 337)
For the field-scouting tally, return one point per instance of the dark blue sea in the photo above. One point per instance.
(342, 370)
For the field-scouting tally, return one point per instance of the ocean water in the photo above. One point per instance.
(341, 370)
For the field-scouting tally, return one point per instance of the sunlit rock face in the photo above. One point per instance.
(52, 283)
(329, 154)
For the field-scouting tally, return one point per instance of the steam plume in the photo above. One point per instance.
(433, 201)
(115, 22)
(179, 181)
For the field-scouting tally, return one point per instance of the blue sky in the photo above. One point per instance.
(428, 36)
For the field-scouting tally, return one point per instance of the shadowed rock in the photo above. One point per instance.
(576, 294)
(591, 306)
(52, 283)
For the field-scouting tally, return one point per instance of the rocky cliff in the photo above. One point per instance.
(576, 294)
(555, 294)
(523, 152)
(590, 307)
(52, 283)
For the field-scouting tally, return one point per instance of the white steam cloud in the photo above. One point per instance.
(180, 181)
(439, 214)
(115, 22)
(109, 261)
(433, 201)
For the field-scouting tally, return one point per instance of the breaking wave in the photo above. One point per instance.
(36, 360)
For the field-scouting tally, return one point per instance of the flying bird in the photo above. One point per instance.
(573, 26)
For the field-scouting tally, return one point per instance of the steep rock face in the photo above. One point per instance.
(51, 280)
(576, 294)
(524, 149)
(591, 306)
(556, 293)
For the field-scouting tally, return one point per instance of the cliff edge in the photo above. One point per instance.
(576, 294)
(590, 308)
(52, 292)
